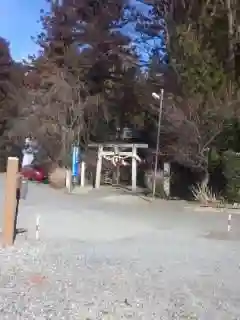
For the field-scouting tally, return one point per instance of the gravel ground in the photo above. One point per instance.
(155, 276)
(111, 260)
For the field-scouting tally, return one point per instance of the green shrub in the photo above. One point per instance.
(231, 171)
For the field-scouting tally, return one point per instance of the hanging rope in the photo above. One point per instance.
(118, 160)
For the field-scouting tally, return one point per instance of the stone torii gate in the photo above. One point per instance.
(116, 153)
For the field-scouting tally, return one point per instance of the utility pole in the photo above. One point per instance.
(160, 99)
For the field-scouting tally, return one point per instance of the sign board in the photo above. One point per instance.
(75, 161)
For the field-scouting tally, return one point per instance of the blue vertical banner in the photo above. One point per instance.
(75, 161)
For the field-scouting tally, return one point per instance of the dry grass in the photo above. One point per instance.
(204, 195)
(57, 178)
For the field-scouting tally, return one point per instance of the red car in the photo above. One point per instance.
(34, 173)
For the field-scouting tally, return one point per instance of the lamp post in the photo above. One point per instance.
(160, 99)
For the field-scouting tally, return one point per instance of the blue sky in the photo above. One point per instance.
(19, 22)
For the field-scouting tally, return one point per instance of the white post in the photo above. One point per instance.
(83, 171)
(158, 142)
(229, 223)
(37, 227)
(116, 151)
(69, 180)
(99, 167)
(166, 178)
(134, 168)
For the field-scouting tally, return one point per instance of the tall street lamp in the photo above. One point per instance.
(158, 97)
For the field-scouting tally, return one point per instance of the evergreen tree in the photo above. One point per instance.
(199, 85)
(83, 49)
(11, 80)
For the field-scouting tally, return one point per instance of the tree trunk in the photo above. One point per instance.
(231, 16)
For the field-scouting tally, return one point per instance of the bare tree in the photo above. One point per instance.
(55, 113)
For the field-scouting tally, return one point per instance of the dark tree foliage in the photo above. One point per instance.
(5, 83)
(199, 79)
(84, 38)
(11, 79)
